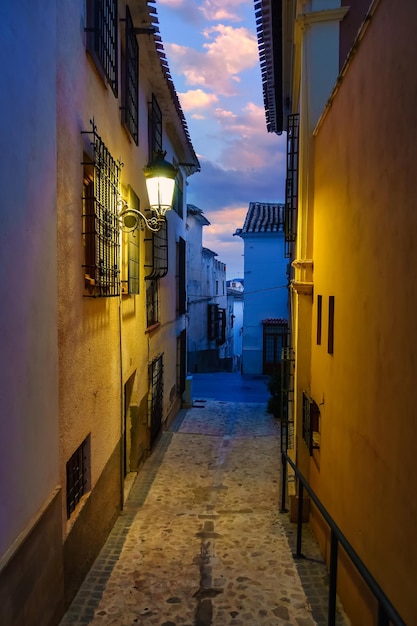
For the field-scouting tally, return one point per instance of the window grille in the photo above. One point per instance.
(156, 382)
(133, 261)
(311, 415)
(275, 337)
(291, 183)
(181, 361)
(181, 277)
(102, 18)
(152, 302)
(287, 396)
(157, 250)
(178, 201)
(77, 476)
(131, 252)
(216, 324)
(131, 80)
(154, 127)
(101, 221)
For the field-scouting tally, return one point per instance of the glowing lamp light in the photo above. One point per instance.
(160, 182)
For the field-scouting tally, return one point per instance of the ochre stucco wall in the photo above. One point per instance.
(365, 238)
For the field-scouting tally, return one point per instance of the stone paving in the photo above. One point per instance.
(200, 541)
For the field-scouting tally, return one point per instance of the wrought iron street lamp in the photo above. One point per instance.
(160, 182)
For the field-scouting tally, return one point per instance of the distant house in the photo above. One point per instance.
(210, 310)
(265, 294)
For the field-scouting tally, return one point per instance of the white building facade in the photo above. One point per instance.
(265, 293)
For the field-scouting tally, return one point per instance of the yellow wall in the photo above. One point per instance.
(365, 238)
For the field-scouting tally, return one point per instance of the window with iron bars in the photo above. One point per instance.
(101, 221)
(181, 361)
(181, 277)
(154, 127)
(291, 183)
(102, 40)
(178, 201)
(157, 253)
(131, 252)
(311, 423)
(216, 324)
(78, 475)
(152, 302)
(156, 382)
(130, 80)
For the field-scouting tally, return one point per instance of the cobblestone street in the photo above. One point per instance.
(201, 541)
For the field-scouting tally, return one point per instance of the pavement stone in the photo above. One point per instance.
(200, 541)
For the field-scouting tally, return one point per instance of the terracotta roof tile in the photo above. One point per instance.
(264, 217)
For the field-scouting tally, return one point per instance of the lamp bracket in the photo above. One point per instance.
(132, 219)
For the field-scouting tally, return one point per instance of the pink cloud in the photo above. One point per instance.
(197, 99)
(215, 10)
(228, 52)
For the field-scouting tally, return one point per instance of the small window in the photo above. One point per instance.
(319, 318)
(156, 396)
(181, 277)
(330, 336)
(178, 201)
(130, 80)
(78, 475)
(154, 127)
(181, 362)
(216, 324)
(102, 40)
(152, 303)
(157, 253)
(131, 253)
(311, 423)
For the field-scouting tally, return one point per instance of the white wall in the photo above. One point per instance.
(28, 310)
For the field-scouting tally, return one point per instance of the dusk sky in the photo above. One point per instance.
(212, 52)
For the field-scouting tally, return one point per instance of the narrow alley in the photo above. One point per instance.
(201, 541)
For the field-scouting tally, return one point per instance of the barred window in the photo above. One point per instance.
(157, 253)
(181, 361)
(156, 383)
(102, 41)
(78, 475)
(181, 277)
(291, 183)
(216, 324)
(311, 423)
(130, 105)
(131, 252)
(101, 222)
(154, 127)
(178, 200)
(152, 302)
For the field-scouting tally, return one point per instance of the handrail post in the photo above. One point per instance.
(298, 554)
(332, 579)
(284, 473)
(382, 616)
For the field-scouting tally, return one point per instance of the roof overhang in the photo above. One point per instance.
(275, 28)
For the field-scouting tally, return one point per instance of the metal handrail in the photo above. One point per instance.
(386, 611)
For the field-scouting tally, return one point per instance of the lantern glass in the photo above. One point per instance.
(160, 193)
(160, 182)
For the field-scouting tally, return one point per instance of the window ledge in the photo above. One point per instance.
(152, 327)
